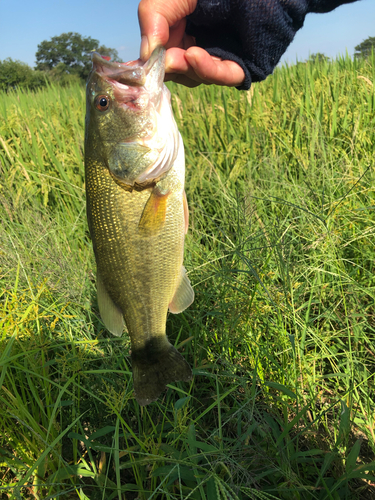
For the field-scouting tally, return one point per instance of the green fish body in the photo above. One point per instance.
(137, 214)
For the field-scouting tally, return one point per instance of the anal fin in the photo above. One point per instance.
(111, 315)
(184, 295)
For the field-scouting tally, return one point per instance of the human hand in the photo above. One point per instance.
(163, 22)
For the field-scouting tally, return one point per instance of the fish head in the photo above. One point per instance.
(129, 121)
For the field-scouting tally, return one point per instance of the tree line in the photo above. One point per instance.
(66, 58)
(63, 59)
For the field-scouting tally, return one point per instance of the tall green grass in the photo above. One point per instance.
(280, 251)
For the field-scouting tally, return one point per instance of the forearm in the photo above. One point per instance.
(253, 33)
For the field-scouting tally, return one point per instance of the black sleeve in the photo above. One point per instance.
(253, 33)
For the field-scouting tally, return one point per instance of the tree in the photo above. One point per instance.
(364, 49)
(73, 51)
(60, 76)
(318, 57)
(106, 51)
(17, 74)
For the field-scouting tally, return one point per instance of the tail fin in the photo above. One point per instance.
(154, 367)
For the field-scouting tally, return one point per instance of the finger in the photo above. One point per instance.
(181, 79)
(154, 30)
(177, 67)
(175, 61)
(193, 66)
(213, 70)
(176, 35)
(155, 19)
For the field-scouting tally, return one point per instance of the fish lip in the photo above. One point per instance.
(121, 72)
(132, 73)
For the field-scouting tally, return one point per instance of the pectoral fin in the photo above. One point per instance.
(184, 295)
(111, 315)
(154, 213)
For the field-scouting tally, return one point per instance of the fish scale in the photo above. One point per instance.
(153, 269)
(137, 230)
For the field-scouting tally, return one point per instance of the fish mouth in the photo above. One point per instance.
(133, 73)
(135, 84)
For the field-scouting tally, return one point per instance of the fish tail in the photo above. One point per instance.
(154, 366)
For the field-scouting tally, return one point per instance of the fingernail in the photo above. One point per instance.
(144, 48)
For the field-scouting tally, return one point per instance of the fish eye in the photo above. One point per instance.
(102, 102)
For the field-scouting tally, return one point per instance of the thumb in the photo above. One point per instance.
(154, 29)
(155, 19)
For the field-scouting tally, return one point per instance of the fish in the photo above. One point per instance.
(137, 213)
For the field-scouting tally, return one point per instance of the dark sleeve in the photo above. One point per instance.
(253, 33)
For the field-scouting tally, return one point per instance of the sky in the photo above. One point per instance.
(24, 24)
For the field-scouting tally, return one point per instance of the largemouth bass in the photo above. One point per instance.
(137, 213)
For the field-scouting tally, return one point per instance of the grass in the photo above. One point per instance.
(280, 251)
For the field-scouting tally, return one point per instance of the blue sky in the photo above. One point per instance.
(25, 23)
